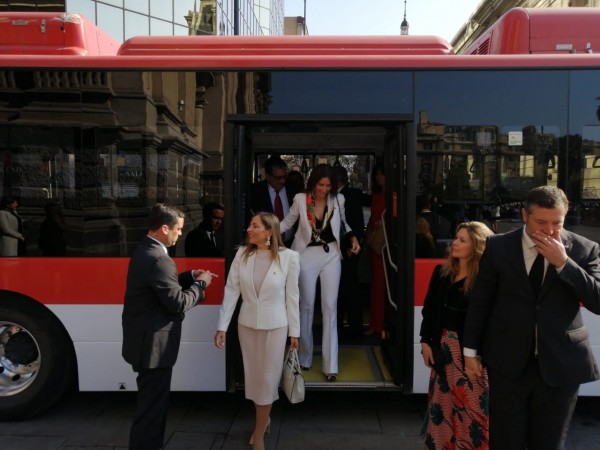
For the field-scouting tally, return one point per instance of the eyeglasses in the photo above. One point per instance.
(216, 218)
(280, 178)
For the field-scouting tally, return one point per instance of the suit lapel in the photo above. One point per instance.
(519, 259)
(250, 275)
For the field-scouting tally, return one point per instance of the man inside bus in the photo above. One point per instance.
(525, 320)
(207, 240)
(156, 299)
(271, 194)
(350, 305)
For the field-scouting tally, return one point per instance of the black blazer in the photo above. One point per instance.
(199, 244)
(156, 299)
(434, 311)
(354, 210)
(260, 199)
(504, 312)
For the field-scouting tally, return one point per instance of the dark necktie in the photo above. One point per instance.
(536, 274)
(212, 238)
(278, 206)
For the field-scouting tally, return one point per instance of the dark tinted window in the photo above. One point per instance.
(340, 93)
(485, 138)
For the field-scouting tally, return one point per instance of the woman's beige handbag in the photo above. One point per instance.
(292, 380)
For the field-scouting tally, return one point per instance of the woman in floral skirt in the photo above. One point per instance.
(457, 412)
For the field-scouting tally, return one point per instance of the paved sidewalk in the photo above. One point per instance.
(326, 420)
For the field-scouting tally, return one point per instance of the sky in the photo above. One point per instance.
(442, 18)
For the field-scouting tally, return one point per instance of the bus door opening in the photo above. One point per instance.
(378, 360)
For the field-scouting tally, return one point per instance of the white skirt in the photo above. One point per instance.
(263, 352)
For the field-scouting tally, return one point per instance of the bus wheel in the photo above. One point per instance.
(37, 361)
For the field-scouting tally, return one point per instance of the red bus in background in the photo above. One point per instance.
(540, 31)
(101, 136)
(30, 33)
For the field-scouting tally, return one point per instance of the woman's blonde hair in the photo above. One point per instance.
(270, 222)
(478, 232)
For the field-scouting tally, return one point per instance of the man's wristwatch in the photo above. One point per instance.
(201, 283)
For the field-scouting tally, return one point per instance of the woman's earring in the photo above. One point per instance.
(268, 243)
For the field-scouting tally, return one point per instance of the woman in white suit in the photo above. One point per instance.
(320, 214)
(265, 274)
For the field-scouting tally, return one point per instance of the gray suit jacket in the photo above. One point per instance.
(156, 299)
(504, 313)
(9, 233)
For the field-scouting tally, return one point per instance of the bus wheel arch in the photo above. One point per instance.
(37, 358)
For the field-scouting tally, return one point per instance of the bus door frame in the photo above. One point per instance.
(399, 166)
(400, 170)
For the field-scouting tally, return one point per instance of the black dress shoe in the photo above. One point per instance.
(305, 368)
(330, 377)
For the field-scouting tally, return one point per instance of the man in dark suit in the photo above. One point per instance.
(156, 299)
(271, 194)
(207, 240)
(525, 321)
(349, 301)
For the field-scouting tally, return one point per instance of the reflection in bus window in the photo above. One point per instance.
(103, 145)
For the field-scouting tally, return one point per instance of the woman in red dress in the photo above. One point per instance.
(375, 225)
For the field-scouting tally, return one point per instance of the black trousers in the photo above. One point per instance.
(148, 428)
(526, 413)
(350, 303)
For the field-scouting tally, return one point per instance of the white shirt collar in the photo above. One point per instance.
(527, 240)
(161, 244)
(273, 191)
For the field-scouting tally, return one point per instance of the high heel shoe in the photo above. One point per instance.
(267, 431)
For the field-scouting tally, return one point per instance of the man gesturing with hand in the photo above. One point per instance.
(156, 300)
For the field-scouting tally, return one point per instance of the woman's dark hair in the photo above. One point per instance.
(377, 168)
(322, 171)
(342, 174)
(6, 201)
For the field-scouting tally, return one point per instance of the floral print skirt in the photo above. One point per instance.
(457, 415)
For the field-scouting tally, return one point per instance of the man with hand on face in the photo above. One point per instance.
(156, 299)
(524, 322)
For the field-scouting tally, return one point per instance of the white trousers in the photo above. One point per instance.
(314, 264)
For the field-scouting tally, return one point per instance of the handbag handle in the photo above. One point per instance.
(292, 358)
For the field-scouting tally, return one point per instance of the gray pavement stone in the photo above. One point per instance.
(220, 421)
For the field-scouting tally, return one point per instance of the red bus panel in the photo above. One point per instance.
(540, 30)
(28, 33)
(90, 281)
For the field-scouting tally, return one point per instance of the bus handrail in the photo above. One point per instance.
(386, 251)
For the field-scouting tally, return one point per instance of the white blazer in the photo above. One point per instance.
(304, 232)
(277, 303)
